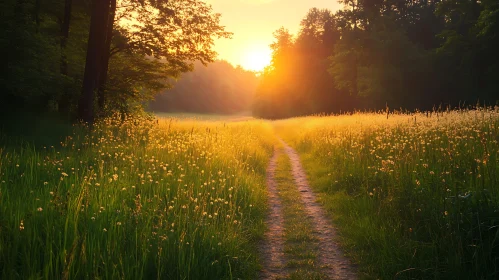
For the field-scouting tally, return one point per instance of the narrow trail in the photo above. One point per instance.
(272, 250)
(330, 258)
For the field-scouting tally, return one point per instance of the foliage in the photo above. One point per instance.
(400, 54)
(27, 40)
(145, 44)
(179, 31)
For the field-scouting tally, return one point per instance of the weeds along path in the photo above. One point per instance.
(329, 258)
(272, 250)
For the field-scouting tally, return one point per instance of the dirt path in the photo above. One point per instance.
(272, 250)
(330, 258)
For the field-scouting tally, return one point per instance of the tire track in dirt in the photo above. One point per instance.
(272, 250)
(330, 256)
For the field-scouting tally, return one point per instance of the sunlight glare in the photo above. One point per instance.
(257, 59)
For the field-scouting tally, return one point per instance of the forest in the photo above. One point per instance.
(83, 59)
(219, 88)
(374, 54)
(370, 55)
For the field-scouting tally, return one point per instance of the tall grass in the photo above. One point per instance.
(414, 196)
(136, 199)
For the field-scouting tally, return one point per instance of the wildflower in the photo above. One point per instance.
(21, 226)
(39, 209)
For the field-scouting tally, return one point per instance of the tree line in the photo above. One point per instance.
(218, 88)
(417, 54)
(86, 59)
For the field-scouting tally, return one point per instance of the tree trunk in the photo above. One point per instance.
(93, 64)
(105, 57)
(36, 15)
(64, 102)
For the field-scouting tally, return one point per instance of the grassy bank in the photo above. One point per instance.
(413, 196)
(138, 199)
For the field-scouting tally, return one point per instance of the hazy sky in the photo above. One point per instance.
(254, 21)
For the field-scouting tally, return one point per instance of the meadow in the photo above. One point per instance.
(138, 198)
(414, 196)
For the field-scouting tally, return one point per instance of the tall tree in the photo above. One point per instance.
(106, 55)
(95, 51)
(64, 102)
(177, 32)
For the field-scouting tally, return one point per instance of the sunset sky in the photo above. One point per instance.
(254, 21)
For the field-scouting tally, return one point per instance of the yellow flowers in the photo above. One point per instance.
(418, 161)
(162, 183)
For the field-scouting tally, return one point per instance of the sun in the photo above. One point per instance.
(256, 59)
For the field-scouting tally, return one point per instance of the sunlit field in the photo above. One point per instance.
(414, 196)
(136, 199)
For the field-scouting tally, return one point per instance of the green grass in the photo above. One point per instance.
(300, 245)
(412, 197)
(137, 199)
